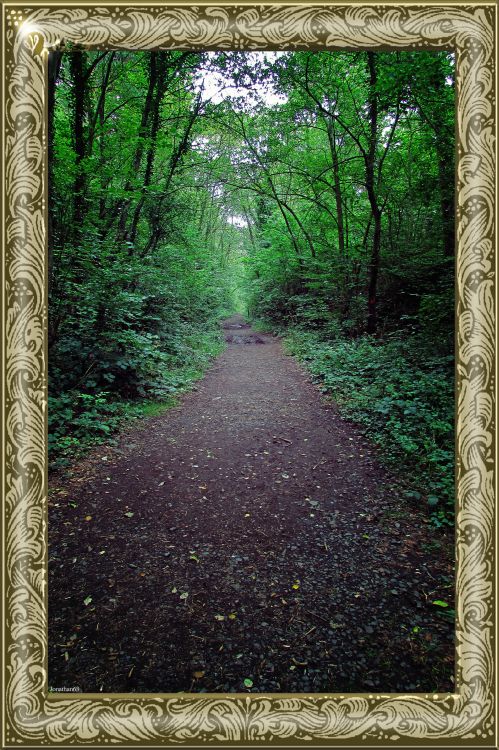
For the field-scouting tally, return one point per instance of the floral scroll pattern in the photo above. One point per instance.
(32, 716)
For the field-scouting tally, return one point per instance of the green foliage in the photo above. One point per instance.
(168, 211)
(402, 395)
(136, 282)
(80, 420)
(77, 420)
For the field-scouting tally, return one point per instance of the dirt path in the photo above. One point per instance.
(248, 533)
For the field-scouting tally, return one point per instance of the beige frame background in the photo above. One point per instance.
(31, 716)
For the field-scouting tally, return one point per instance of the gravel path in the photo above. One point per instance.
(246, 540)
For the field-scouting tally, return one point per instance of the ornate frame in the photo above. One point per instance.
(33, 717)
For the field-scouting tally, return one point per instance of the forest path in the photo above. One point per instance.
(303, 568)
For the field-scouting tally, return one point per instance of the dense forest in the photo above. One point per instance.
(313, 192)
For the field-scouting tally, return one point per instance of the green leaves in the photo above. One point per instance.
(133, 309)
(444, 610)
(271, 213)
(78, 421)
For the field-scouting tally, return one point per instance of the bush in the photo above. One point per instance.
(124, 382)
(77, 420)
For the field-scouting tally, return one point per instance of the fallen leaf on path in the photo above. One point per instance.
(87, 601)
(199, 674)
(88, 518)
(220, 617)
(129, 514)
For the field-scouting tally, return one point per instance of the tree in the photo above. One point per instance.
(317, 191)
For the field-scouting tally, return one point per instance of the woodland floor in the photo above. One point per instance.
(305, 569)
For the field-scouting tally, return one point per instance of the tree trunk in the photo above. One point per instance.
(370, 162)
(161, 88)
(336, 186)
(434, 114)
(175, 160)
(77, 67)
(124, 205)
(98, 115)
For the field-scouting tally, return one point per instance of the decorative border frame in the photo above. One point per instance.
(33, 717)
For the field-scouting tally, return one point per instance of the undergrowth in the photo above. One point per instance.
(88, 415)
(402, 395)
